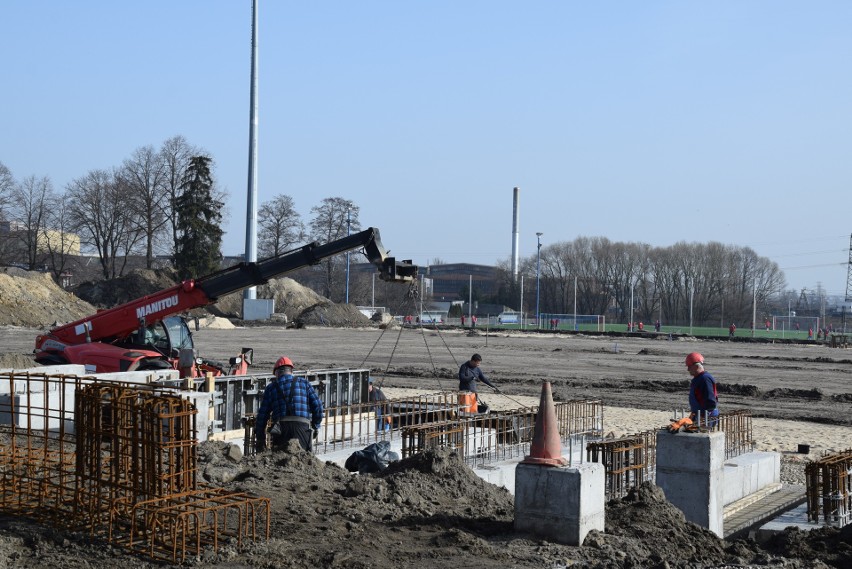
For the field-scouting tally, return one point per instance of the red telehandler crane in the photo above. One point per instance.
(150, 333)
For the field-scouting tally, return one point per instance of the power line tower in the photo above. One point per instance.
(848, 298)
(849, 274)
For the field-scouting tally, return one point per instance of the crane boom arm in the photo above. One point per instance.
(123, 320)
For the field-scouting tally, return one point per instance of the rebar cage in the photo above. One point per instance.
(117, 459)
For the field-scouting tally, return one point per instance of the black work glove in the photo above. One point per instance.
(315, 433)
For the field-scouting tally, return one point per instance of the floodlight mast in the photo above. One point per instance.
(848, 298)
(849, 274)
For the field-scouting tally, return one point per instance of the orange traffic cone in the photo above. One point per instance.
(546, 448)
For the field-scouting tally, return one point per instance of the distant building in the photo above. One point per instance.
(449, 281)
(48, 239)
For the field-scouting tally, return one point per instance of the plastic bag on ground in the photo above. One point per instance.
(373, 458)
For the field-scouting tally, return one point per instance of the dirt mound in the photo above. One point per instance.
(135, 284)
(644, 530)
(810, 394)
(644, 526)
(299, 304)
(330, 314)
(33, 299)
(290, 297)
(429, 511)
(739, 389)
(831, 545)
(215, 323)
(17, 361)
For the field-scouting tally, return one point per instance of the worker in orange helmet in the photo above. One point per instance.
(703, 394)
(294, 407)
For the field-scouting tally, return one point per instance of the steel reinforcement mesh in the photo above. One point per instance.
(628, 461)
(118, 459)
(502, 435)
(739, 436)
(828, 483)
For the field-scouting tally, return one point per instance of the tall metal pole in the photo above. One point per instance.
(348, 233)
(754, 309)
(251, 206)
(630, 318)
(373, 297)
(422, 292)
(523, 324)
(575, 303)
(470, 299)
(691, 298)
(515, 231)
(538, 279)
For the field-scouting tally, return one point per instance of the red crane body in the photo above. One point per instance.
(145, 333)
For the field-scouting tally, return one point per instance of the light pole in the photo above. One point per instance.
(537, 278)
(691, 298)
(630, 324)
(348, 233)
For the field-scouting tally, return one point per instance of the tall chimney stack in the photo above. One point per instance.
(515, 235)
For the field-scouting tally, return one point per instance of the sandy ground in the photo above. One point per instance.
(798, 394)
(433, 512)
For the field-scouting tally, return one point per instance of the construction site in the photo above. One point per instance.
(146, 468)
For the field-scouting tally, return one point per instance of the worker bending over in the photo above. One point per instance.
(294, 406)
(470, 372)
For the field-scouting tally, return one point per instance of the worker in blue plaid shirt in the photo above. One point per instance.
(294, 407)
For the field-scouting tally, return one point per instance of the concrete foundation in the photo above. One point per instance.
(559, 503)
(690, 472)
(750, 473)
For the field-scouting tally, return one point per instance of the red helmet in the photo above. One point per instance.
(694, 358)
(282, 361)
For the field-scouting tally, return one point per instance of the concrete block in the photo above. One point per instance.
(750, 473)
(258, 308)
(144, 377)
(201, 400)
(690, 472)
(560, 503)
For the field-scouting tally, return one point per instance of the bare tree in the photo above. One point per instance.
(145, 175)
(331, 220)
(280, 226)
(715, 280)
(31, 199)
(60, 240)
(175, 154)
(100, 212)
(7, 184)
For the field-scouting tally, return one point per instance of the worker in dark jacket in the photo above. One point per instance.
(470, 372)
(703, 395)
(294, 407)
(376, 396)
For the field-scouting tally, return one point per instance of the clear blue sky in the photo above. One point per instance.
(649, 121)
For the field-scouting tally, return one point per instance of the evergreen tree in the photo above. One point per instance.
(198, 248)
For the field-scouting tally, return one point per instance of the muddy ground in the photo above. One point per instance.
(431, 511)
